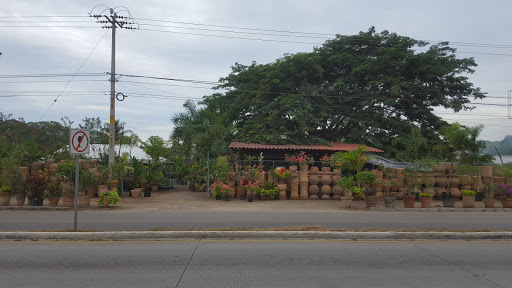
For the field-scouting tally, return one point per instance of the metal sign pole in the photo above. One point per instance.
(76, 191)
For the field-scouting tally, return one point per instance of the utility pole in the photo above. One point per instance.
(113, 22)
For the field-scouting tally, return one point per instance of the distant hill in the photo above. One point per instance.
(504, 146)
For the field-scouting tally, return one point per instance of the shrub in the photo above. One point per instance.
(36, 184)
(426, 195)
(468, 192)
(113, 198)
(53, 190)
(365, 177)
(222, 189)
(504, 192)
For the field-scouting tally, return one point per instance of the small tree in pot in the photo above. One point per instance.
(36, 184)
(53, 193)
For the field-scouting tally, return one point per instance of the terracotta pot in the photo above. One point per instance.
(136, 193)
(326, 191)
(336, 190)
(468, 201)
(20, 199)
(499, 180)
(454, 181)
(426, 202)
(68, 200)
(506, 203)
(346, 203)
(455, 192)
(84, 201)
(294, 189)
(313, 170)
(441, 181)
(101, 189)
(54, 201)
(282, 191)
(36, 166)
(154, 188)
(485, 171)
(240, 191)
(105, 201)
(326, 179)
(304, 168)
(439, 169)
(489, 203)
(313, 179)
(293, 168)
(477, 183)
(409, 201)
(5, 198)
(326, 170)
(451, 168)
(303, 190)
(429, 180)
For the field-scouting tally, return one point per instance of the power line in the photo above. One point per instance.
(51, 75)
(54, 101)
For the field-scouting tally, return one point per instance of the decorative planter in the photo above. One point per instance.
(430, 190)
(441, 181)
(105, 201)
(313, 179)
(313, 192)
(38, 201)
(439, 169)
(282, 191)
(426, 202)
(357, 196)
(346, 203)
(389, 202)
(485, 171)
(68, 200)
(154, 188)
(5, 198)
(54, 201)
(266, 197)
(313, 170)
(84, 201)
(136, 193)
(408, 201)
(371, 201)
(326, 191)
(20, 199)
(506, 203)
(293, 168)
(489, 203)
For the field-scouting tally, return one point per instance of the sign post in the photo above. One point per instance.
(79, 144)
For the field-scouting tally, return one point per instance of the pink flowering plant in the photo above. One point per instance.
(222, 189)
(301, 159)
(504, 192)
(327, 160)
(252, 186)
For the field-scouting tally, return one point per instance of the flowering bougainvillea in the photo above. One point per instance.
(300, 159)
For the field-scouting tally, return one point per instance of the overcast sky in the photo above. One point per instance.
(181, 50)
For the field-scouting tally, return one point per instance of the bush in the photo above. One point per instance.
(53, 190)
(426, 195)
(36, 184)
(365, 177)
(468, 192)
(113, 198)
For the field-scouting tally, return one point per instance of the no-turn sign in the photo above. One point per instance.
(79, 141)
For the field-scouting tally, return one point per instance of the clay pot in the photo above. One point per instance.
(84, 201)
(430, 190)
(337, 190)
(439, 169)
(499, 180)
(282, 191)
(313, 190)
(36, 166)
(303, 190)
(440, 191)
(326, 191)
(429, 180)
(426, 202)
(455, 192)
(441, 181)
(489, 203)
(313, 170)
(454, 181)
(313, 179)
(294, 191)
(326, 179)
(451, 168)
(485, 171)
(136, 193)
(408, 201)
(335, 179)
(468, 201)
(293, 168)
(477, 183)
(326, 170)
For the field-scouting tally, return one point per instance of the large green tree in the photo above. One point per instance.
(367, 88)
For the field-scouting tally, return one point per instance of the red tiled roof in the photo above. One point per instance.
(336, 146)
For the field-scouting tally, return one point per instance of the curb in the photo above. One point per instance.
(440, 209)
(36, 208)
(231, 235)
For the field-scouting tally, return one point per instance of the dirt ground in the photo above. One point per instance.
(181, 198)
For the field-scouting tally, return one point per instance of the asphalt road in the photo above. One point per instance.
(256, 264)
(11, 220)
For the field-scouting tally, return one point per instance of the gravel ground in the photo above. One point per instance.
(181, 198)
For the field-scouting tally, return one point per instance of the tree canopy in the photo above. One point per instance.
(367, 88)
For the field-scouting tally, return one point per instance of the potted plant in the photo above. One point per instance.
(53, 193)
(5, 195)
(468, 198)
(268, 191)
(489, 188)
(87, 180)
(426, 200)
(109, 198)
(364, 180)
(250, 189)
(505, 195)
(222, 190)
(281, 174)
(154, 176)
(36, 184)
(348, 184)
(19, 188)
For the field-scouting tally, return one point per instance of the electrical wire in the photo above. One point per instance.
(78, 70)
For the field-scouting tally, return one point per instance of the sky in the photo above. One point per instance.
(201, 40)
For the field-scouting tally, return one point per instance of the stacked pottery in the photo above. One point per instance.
(294, 186)
(303, 185)
(313, 188)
